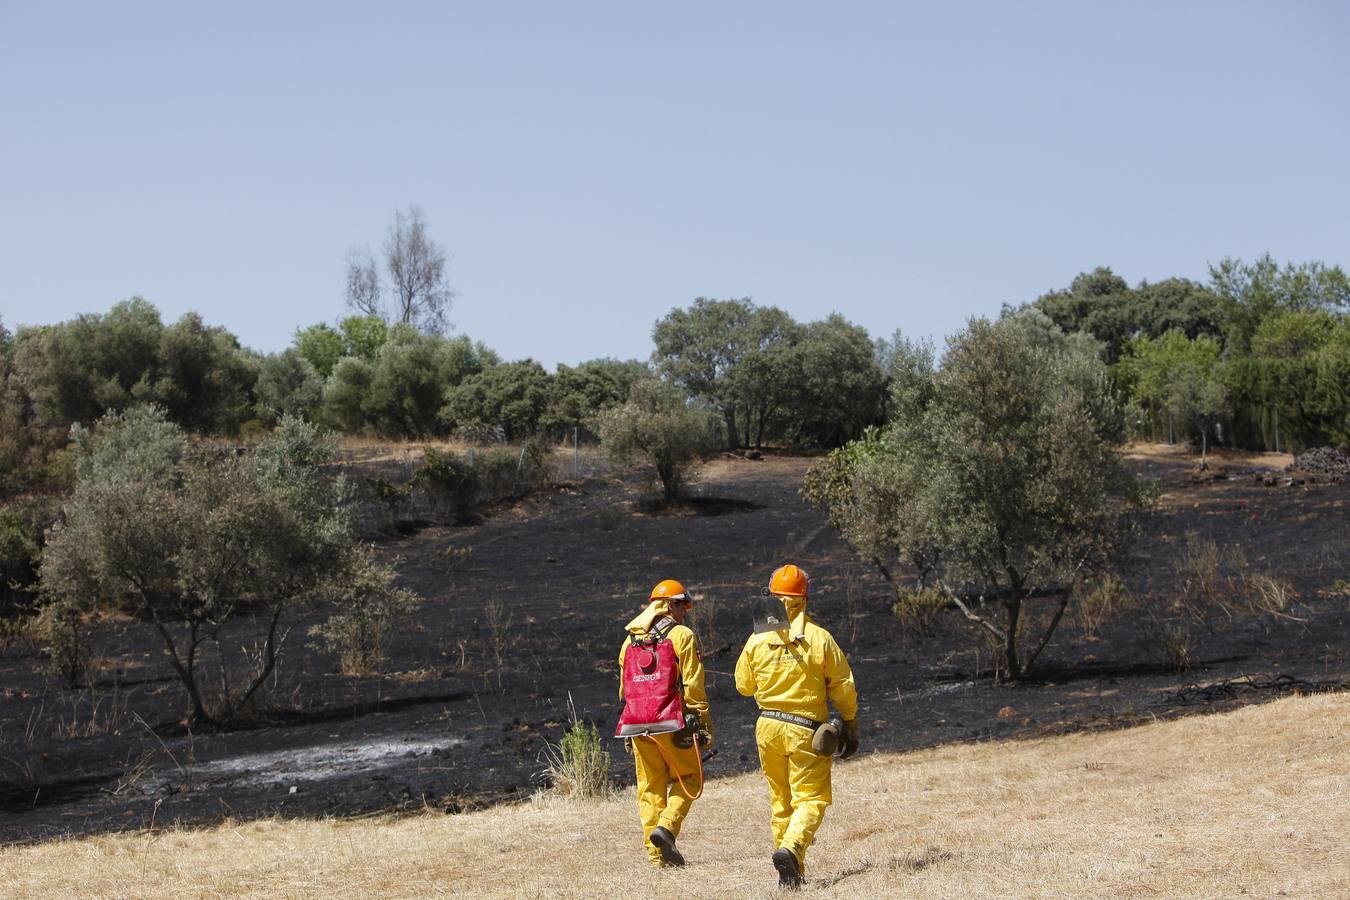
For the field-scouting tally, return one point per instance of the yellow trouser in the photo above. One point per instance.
(799, 783)
(661, 801)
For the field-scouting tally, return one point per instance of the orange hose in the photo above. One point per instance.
(697, 756)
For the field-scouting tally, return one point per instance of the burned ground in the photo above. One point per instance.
(522, 622)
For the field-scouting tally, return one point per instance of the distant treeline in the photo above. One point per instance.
(769, 378)
(1257, 358)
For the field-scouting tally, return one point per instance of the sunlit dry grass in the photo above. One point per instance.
(1253, 802)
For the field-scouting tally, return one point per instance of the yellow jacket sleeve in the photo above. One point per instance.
(745, 673)
(839, 681)
(623, 649)
(691, 672)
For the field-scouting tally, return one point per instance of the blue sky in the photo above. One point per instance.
(590, 166)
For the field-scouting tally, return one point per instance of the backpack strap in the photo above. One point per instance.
(659, 632)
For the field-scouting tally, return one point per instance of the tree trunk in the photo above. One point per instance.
(1049, 630)
(269, 661)
(1013, 604)
(669, 488)
(199, 713)
(1014, 608)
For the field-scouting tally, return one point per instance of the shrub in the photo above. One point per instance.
(1177, 646)
(1269, 595)
(703, 622)
(1098, 602)
(657, 426)
(21, 538)
(368, 608)
(578, 767)
(190, 533)
(919, 610)
(1209, 576)
(998, 475)
(452, 481)
(65, 652)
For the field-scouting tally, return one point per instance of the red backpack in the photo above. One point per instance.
(652, 687)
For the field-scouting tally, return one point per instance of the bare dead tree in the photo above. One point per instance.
(363, 284)
(417, 267)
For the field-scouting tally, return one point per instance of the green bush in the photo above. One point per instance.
(919, 610)
(483, 476)
(190, 533)
(21, 539)
(367, 609)
(658, 427)
(578, 768)
(452, 481)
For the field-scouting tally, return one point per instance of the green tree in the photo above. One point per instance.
(1099, 303)
(837, 384)
(659, 427)
(322, 346)
(1177, 304)
(700, 347)
(1254, 291)
(346, 394)
(408, 384)
(996, 478)
(76, 370)
(204, 378)
(580, 393)
(514, 395)
(1328, 396)
(363, 336)
(1282, 390)
(288, 386)
(766, 378)
(188, 534)
(1176, 384)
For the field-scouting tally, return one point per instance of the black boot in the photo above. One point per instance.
(789, 870)
(664, 841)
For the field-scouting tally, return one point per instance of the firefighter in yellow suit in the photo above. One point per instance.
(791, 673)
(667, 773)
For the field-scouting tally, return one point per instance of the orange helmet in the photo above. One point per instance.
(789, 581)
(670, 589)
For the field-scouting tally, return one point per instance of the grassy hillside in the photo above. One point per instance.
(1251, 802)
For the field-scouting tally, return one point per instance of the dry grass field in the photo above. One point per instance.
(1253, 802)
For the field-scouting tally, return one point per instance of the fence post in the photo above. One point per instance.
(575, 429)
(520, 462)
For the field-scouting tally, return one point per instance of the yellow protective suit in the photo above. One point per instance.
(661, 801)
(796, 670)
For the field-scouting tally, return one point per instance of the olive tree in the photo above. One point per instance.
(188, 536)
(659, 426)
(998, 480)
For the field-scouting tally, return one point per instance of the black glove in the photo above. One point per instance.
(684, 738)
(849, 744)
